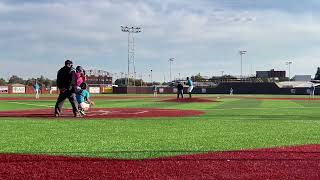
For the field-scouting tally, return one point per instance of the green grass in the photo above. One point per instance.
(230, 124)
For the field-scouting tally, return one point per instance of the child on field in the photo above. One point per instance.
(83, 98)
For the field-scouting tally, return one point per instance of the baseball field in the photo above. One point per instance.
(146, 137)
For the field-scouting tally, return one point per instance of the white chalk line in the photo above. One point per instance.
(275, 108)
(90, 113)
(109, 112)
(28, 104)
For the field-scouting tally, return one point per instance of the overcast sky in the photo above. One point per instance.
(203, 36)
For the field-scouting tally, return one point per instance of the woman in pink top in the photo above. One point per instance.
(80, 76)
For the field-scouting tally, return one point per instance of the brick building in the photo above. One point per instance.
(98, 77)
(271, 74)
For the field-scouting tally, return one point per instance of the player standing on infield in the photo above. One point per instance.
(37, 89)
(190, 84)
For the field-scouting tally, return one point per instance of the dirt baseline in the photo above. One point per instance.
(105, 113)
(300, 162)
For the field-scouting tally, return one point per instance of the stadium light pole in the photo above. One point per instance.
(134, 77)
(151, 76)
(130, 30)
(289, 64)
(241, 53)
(170, 61)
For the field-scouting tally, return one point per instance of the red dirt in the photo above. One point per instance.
(93, 97)
(301, 162)
(188, 100)
(160, 97)
(105, 113)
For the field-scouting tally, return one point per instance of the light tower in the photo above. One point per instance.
(242, 53)
(170, 61)
(130, 31)
(289, 64)
(151, 76)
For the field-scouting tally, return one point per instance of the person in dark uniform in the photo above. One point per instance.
(180, 90)
(312, 90)
(67, 87)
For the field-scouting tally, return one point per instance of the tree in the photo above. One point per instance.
(48, 83)
(3, 81)
(317, 76)
(123, 82)
(30, 82)
(54, 82)
(197, 78)
(16, 80)
(41, 80)
(120, 82)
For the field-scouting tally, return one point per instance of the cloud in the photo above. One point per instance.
(204, 36)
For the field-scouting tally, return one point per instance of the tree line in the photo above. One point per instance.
(121, 81)
(29, 82)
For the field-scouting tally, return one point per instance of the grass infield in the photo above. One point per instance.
(231, 124)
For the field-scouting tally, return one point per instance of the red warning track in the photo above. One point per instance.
(105, 113)
(188, 100)
(301, 162)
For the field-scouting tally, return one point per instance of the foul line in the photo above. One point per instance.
(221, 109)
(213, 109)
(39, 105)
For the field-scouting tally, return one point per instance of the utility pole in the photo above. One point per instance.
(141, 79)
(241, 53)
(121, 77)
(289, 64)
(170, 61)
(131, 51)
(151, 76)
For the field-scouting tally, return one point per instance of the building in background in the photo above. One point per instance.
(98, 78)
(302, 78)
(271, 74)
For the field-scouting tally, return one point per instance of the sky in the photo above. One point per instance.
(204, 36)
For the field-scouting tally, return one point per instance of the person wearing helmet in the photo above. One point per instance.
(83, 99)
(67, 86)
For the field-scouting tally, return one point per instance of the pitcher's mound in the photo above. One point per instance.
(188, 100)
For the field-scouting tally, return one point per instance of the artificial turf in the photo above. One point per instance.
(230, 124)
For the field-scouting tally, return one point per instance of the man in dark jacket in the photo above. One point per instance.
(67, 87)
(180, 90)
